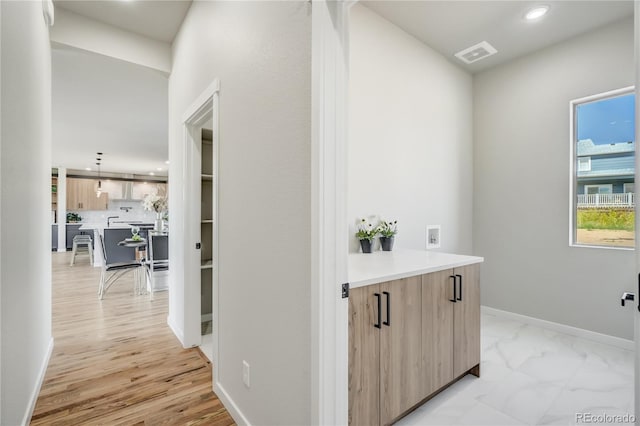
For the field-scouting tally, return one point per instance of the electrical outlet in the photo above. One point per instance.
(246, 374)
(433, 236)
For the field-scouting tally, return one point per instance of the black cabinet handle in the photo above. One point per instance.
(454, 289)
(388, 321)
(460, 284)
(377, 324)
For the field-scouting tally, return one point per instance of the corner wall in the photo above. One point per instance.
(25, 178)
(410, 136)
(261, 53)
(521, 185)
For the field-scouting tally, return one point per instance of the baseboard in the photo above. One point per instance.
(176, 331)
(36, 390)
(562, 328)
(206, 317)
(230, 405)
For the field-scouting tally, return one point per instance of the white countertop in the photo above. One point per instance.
(380, 266)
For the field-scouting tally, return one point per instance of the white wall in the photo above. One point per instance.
(521, 185)
(261, 52)
(85, 33)
(410, 135)
(25, 176)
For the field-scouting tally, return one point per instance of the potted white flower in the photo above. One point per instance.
(366, 233)
(388, 230)
(158, 204)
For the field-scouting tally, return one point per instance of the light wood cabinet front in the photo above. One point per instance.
(364, 357)
(466, 353)
(400, 347)
(408, 339)
(81, 195)
(437, 330)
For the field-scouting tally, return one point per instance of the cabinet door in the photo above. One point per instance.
(72, 231)
(96, 203)
(401, 384)
(437, 330)
(364, 357)
(73, 194)
(466, 347)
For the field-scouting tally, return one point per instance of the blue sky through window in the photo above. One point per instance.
(608, 120)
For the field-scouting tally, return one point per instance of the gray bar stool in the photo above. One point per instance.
(81, 241)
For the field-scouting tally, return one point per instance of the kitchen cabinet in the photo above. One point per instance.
(450, 325)
(54, 237)
(81, 195)
(73, 229)
(385, 350)
(410, 338)
(466, 321)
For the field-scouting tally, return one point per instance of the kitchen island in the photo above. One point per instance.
(414, 328)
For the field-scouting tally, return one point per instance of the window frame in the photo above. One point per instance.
(588, 168)
(599, 185)
(573, 163)
(624, 187)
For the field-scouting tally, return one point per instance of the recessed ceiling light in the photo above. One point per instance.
(536, 12)
(166, 162)
(159, 169)
(151, 174)
(88, 169)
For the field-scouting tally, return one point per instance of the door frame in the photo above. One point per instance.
(636, 312)
(329, 230)
(204, 108)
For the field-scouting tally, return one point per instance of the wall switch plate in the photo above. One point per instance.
(246, 374)
(433, 236)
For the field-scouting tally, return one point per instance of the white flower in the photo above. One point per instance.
(155, 203)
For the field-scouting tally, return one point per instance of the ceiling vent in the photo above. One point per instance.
(475, 53)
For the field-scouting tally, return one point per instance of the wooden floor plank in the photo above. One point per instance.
(115, 361)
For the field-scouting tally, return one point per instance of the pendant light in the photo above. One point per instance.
(99, 190)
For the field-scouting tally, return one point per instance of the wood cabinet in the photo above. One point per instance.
(81, 195)
(410, 338)
(437, 330)
(385, 352)
(450, 325)
(466, 321)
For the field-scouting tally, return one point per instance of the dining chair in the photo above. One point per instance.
(158, 257)
(117, 260)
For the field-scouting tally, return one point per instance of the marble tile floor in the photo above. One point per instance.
(534, 376)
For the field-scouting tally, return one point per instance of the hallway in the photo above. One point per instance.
(116, 361)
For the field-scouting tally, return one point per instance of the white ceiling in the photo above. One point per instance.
(159, 20)
(101, 104)
(451, 26)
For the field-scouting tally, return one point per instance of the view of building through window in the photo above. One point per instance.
(604, 171)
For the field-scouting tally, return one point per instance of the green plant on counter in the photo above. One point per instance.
(73, 217)
(388, 228)
(366, 231)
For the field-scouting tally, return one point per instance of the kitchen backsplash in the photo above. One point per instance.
(135, 213)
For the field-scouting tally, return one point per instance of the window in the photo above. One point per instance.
(603, 170)
(598, 189)
(584, 164)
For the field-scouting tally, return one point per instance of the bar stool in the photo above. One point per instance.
(80, 241)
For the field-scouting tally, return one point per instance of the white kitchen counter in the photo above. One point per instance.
(380, 266)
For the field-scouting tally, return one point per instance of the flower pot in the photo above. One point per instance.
(158, 223)
(366, 245)
(387, 243)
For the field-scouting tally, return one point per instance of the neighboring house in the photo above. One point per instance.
(605, 174)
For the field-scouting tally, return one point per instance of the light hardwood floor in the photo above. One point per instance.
(115, 361)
